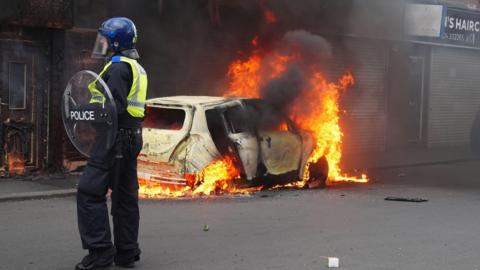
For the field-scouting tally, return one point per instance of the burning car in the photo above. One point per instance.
(184, 135)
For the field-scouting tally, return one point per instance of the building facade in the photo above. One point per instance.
(417, 87)
(40, 49)
(417, 70)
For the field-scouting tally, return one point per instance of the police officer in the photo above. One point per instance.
(127, 81)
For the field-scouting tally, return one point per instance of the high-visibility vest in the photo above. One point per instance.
(138, 92)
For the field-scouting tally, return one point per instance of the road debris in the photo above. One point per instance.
(206, 228)
(333, 262)
(403, 199)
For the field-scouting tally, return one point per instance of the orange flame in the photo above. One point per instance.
(316, 110)
(270, 17)
(245, 77)
(268, 14)
(153, 189)
(16, 164)
(319, 114)
(254, 41)
(217, 178)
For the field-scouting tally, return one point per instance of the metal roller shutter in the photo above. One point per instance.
(454, 95)
(364, 119)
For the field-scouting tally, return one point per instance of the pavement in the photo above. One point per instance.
(286, 229)
(61, 185)
(408, 156)
(37, 187)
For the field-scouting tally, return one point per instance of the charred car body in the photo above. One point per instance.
(184, 134)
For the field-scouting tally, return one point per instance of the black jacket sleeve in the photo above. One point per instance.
(119, 78)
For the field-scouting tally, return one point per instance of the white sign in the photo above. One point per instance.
(82, 115)
(423, 20)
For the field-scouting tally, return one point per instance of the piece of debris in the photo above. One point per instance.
(206, 228)
(333, 262)
(403, 199)
(402, 175)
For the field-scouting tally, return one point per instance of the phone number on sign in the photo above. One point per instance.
(459, 37)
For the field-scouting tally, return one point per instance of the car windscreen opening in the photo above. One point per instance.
(164, 118)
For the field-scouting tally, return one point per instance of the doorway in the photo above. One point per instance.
(23, 102)
(407, 96)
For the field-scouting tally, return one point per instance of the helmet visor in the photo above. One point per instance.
(100, 48)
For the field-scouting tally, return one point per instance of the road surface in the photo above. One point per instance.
(293, 229)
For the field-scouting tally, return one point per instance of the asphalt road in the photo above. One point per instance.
(279, 230)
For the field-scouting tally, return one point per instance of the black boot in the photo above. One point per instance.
(127, 258)
(97, 259)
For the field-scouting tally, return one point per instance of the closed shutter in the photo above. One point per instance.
(454, 95)
(364, 119)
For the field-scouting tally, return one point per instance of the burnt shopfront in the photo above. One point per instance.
(451, 89)
(23, 104)
(39, 50)
(416, 68)
(25, 84)
(416, 91)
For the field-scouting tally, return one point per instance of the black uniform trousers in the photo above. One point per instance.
(92, 210)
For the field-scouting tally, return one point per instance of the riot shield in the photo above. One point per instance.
(89, 113)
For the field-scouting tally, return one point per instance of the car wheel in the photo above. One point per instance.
(318, 172)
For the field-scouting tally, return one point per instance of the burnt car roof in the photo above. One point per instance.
(192, 100)
(189, 100)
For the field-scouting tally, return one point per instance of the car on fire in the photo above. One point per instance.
(184, 134)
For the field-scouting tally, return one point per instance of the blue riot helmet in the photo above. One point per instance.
(117, 35)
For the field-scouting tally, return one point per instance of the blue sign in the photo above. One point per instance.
(442, 24)
(461, 27)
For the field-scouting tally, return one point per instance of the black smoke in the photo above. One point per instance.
(312, 48)
(308, 50)
(281, 93)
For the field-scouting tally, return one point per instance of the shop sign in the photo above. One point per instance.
(442, 24)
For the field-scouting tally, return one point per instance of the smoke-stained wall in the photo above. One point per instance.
(37, 13)
(187, 51)
(186, 47)
(180, 48)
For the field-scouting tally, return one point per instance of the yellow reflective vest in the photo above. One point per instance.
(138, 92)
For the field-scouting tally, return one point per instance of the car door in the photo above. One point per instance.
(241, 134)
(280, 144)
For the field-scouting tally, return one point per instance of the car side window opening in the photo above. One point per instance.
(217, 130)
(164, 118)
(237, 120)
